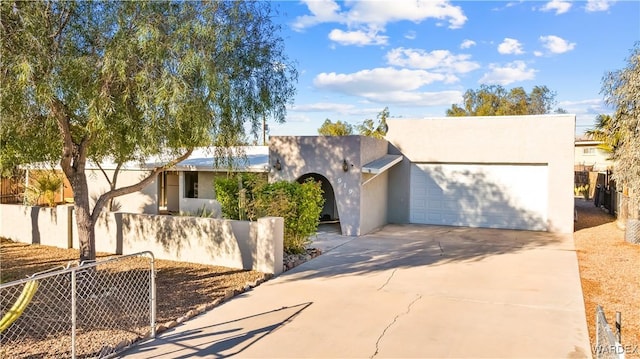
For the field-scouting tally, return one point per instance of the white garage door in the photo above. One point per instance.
(480, 195)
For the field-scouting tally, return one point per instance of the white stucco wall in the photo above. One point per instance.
(324, 155)
(143, 201)
(37, 225)
(536, 140)
(361, 208)
(373, 201)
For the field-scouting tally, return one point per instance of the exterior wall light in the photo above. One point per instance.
(278, 165)
(345, 165)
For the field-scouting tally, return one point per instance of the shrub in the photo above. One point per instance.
(249, 196)
(299, 204)
(235, 193)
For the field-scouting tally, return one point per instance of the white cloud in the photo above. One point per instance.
(358, 38)
(383, 12)
(378, 79)
(556, 45)
(323, 107)
(538, 53)
(467, 44)
(411, 35)
(510, 46)
(390, 86)
(598, 5)
(559, 6)
(510, 73)
(590, 106)
(377, 14)
(321, 11)
(417, 99)
(437, 60)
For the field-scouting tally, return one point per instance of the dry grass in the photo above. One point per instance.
(610, 272)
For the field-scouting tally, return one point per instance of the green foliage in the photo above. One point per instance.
(202, 212)
(495, 100)
(621, 89)
(299, 204)
(44, 187)
(605, 131)
(338, 128)
(236, 192)
(369, 128)
(134, 80)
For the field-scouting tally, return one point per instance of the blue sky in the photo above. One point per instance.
(418, 57)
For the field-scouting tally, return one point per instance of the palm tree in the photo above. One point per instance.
(606, 130)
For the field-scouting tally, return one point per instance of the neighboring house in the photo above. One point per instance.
(474, 171)
(590, 157)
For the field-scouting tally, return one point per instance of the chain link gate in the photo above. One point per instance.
(91, 311)
(607, 345)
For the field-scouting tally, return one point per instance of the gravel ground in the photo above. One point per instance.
(183, 290)
(610, 273)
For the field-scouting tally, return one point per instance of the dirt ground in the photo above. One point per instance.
(181, 288)
(610, 273)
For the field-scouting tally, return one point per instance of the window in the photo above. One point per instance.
(589, 151)
(191, 184)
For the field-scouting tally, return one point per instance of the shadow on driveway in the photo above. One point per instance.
(409, 245)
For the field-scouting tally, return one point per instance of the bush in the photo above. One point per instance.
(299, 204)
(235, 193)
(248, 196)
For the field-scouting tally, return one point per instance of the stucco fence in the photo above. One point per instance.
(236, 244)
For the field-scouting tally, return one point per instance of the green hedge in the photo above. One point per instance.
(250, 197)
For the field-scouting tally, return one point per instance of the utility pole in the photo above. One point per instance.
(264, 129)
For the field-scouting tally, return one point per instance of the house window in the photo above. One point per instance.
(589, 151)
(191, 184)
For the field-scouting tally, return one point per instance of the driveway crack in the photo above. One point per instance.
(395, 319)
(388, 279)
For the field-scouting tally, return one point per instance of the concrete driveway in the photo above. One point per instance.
(404, 291)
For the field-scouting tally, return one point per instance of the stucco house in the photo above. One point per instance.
(512, 172)
(187, 187)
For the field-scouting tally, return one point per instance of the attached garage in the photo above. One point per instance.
(512, 172)
(480, 195)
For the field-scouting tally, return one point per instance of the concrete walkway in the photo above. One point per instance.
(405, 291)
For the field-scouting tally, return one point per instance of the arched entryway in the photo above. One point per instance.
(330, 210)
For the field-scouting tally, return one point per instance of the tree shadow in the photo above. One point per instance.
(412, 245)
(473, 198)
(589, 215)
(226, 338)
(479, 199)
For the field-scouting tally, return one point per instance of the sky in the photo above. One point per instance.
(418, 57)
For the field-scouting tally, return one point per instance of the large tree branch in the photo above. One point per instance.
(59, 113)
(105, 197)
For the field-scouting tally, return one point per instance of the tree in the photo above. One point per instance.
(126, 81)
(495, 100)
(338, 128)
(621, 89)
(604, 131)
(369, 128)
